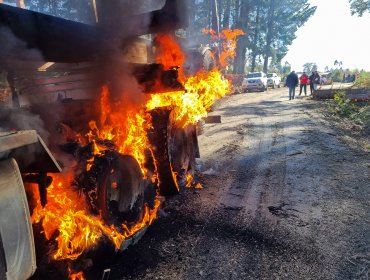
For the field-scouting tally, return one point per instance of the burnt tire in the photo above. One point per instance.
(121, 191)
(182, 154)
(174, 151)
(2, 261)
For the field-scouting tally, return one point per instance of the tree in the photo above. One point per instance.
(338, 63)
(270, 26)
(81, 10)
(309, 67)
(242, 23)
(359, 7)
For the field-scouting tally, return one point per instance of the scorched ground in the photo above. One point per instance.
(285, 196)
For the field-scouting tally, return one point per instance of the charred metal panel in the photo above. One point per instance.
(29, 150)
(61, 40)
(58, 39)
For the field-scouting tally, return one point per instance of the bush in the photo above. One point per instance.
(357, 112)
(363, 81)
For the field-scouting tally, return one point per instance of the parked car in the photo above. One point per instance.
(255, 81)
(273, 80)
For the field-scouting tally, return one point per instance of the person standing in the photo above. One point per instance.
(314, 81)
(291, 82)
(303, 80)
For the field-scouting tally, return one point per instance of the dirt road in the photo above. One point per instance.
(286, 196)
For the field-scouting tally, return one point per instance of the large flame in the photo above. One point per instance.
(227, 38)
(202, 90)
(169, 52)
(65, 214)
(125, 128)
(65, 217)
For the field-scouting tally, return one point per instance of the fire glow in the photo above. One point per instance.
(66, 213)
(228, 45)
(65, 217)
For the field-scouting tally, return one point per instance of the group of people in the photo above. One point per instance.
(292, 82)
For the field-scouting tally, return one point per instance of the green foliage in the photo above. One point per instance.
(309, 67)
(357, 112)
(270, 27)
(80, 10)
(359, 7)
(336, 75)
(363, 81)
(343, 106)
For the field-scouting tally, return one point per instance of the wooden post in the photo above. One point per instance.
(20, 4)
(95, 10)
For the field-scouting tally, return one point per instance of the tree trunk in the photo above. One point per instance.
(226, 15)
(269, 35)
(255, 38)
(242, 43)
(191, 16)
(215, 16)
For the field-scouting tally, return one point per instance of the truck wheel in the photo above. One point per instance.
(182, 154)
(121, 191)
(173, 150)
(2, 261)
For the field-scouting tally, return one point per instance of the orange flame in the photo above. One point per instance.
(169, 53)
(126, 128)
(76, 230)
(76, 276)
(191, 106)
(228, 44)
(65, 216)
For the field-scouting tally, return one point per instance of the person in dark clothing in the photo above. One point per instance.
(291, 82)
(314, 81)
(311, 82)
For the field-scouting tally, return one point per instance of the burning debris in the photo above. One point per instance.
(122, 151)
(129, 157)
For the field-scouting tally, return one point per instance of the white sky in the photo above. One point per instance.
(332, 34)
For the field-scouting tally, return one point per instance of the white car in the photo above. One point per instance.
(255, 81)
(273, 80)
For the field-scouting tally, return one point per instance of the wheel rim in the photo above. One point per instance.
(121, 192)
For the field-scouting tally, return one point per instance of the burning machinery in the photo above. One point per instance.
(129, 129)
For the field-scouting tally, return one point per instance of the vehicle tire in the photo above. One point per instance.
(273, 85)
(121, 191)
(279, 86)
(173, 150)
(2, 261)
(182, 154)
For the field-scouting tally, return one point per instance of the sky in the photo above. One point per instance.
(332, 34)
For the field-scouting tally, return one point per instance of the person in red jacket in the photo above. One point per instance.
(304, 81)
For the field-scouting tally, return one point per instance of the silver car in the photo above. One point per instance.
(255, 81)
(273, 80)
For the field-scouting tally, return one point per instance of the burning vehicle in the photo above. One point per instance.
(118, 116)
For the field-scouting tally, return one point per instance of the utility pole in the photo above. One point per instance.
(20, 4)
